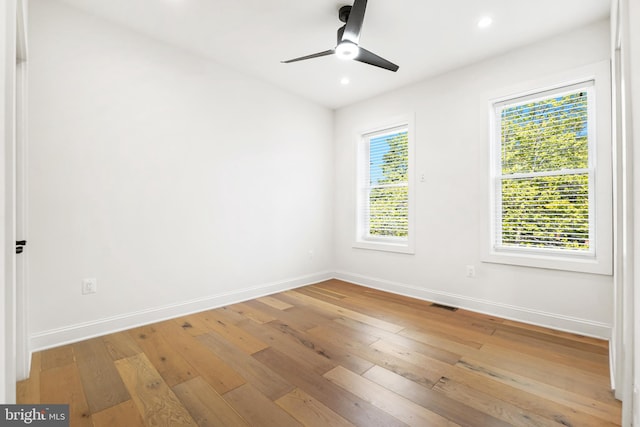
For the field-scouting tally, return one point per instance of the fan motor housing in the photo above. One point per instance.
(343, 13)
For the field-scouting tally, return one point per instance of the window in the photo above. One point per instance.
(384, 190)
(550, 180)
(545, 171)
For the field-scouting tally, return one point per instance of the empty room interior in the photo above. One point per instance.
(321, 213)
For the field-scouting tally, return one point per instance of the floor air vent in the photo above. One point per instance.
(445, 307)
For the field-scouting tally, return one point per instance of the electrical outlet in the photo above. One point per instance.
(89, 286)
(471, 271)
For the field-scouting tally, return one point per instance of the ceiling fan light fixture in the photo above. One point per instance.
(347, 50)
(348, 39)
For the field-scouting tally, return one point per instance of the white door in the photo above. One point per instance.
(12, 53)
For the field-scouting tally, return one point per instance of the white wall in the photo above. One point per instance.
(175, 182)
(451, 143)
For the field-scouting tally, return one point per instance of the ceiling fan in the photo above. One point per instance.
(348, 38)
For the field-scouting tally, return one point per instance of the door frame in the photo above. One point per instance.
(23, 354)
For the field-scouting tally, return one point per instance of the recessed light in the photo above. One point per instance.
(485, 22)
(344, 81)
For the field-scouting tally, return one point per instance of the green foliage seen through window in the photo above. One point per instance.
(545, 179)
(389, 189)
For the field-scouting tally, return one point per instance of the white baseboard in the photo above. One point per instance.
(83, 331)
(521, 314)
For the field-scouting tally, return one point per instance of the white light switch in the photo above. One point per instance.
(89, 286)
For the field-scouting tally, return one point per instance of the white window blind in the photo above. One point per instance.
(544, 171)
(384, 186)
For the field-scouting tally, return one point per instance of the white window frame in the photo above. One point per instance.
(598, 259)
(362, 239)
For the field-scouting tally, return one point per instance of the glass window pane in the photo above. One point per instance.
(546, 212)
(389, 211)
(388, 158)
(545, 135)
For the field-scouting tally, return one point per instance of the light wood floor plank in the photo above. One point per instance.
(323, 347)
(435, 367)
(121, 345)
(103, 387)
(218, 321)
(433, 351)
(326, 292)
(408, 312)
(547, 372)
(173, 368)
(571, 398)
(488, 404)
(303, 355)
(339, 311)
(123, 414)
(275, 303)
(309, 411)
(395, 405)
(545, 406)
(554, 352)
(206, 406)
(455, 410)
(440, 340)
(252, 313)
(56, 357)
(257, 409)
(262, 378)
(209, 366)
(62, 385)
(349, 406)
(334, 347)
(193, 325)
(579, 341)
(156, 402)
(348, 331)
(420, 374)
(301, 319)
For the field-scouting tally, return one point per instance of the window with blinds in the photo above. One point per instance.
(544, 171)
(383, 202)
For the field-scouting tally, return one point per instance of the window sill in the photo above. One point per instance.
(398, 247)
(577, 263)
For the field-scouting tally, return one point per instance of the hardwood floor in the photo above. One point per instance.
(331, 354)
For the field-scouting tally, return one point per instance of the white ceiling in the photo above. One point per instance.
(424, 37)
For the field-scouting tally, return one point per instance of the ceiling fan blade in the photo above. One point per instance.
(354, 23)
(313, 55)
(372, 59)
